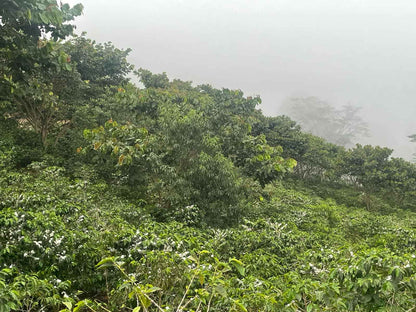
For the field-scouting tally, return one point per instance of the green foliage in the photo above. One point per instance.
(28, 292)
(99, 64)
(317, 159)
(309, 253)
(18, 147)
(203, 177)
(34, 69)
(364, 166)
(150, 80)
(176, 197)
(188, 157)
(261, 161)
(283, 131)
(36, 16)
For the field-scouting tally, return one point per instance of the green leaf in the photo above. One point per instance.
(201, 279)
(44, 18)
(77, 9)
(145, 301)
(68, 305)
(81, 304)
(240, 306)
(152, 289)
(133, 293)
(238, 265)
(220, 290)
(106, 262)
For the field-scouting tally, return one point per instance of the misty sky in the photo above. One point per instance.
(344, 51)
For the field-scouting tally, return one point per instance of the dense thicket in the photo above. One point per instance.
(171, 196)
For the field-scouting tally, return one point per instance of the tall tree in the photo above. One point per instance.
(100, 64)
(33, 64)
(366, 167)
(339, 126)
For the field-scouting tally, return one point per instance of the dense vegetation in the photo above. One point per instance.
(175, 197)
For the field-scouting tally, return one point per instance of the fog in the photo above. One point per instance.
(354, 52)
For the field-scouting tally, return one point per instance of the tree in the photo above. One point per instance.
(25, 27)
(316, 158)
(151, 80)
(365, 166)
(400, 187)
(282, 131)
(318, 117)
(99, 64)
(350, 125)
(261, 161)
(174, 169)
(40, 108)
(98, 93)
(35, 67)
